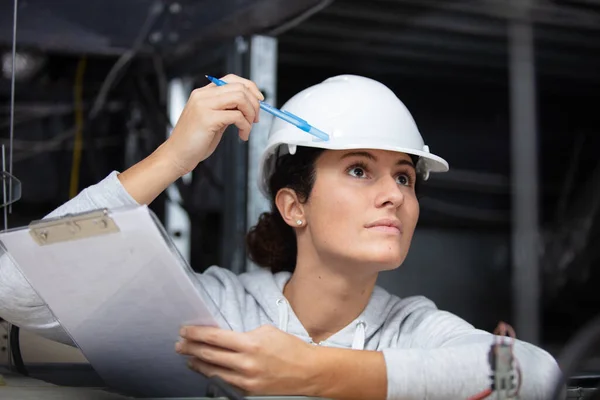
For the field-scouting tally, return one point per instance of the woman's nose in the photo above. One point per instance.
(389, 193)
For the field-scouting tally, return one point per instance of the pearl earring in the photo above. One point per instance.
(299, 222)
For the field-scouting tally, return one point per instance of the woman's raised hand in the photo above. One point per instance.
(197, 133)
(208, 112)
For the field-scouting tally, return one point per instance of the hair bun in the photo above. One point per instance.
(271, 243)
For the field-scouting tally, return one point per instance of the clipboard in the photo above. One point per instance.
(121, 291)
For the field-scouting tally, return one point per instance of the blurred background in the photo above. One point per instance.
(507, 92)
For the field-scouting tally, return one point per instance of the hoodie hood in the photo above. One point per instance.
(267, 290)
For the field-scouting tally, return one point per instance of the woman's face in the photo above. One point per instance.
(363, 207)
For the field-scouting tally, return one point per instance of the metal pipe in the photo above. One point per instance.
(233, 255)
(524, 174)
(263, 71)
(12, 100)
(177, 220)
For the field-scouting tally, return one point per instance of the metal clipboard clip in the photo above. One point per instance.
(72, 227)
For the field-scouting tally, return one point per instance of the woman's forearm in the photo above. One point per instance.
(148, 178)
(457, 371)
(350, 374)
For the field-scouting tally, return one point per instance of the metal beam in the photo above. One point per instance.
(193, 64)
(329, 48)
(368, 66)
(385, 51)
(541, 12)
(439, 42)
(233, 255)
(401, 37)
(434, 21)
(177, 220)
(263, 71)
(524, 174)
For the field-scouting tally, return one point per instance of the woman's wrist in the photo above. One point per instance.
(347, 374)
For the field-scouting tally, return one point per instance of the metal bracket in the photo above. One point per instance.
(72, 227)
(11, 189)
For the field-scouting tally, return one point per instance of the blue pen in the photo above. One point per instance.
(284, 115)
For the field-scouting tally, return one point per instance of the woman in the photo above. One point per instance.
(343, 210)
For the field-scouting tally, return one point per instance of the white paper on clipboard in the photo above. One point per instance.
(121, 290)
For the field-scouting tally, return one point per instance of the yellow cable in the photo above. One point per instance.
(78, 143)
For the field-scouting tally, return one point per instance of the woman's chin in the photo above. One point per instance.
(385, 259)
(389, 265)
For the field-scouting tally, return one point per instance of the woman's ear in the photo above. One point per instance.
(290, 208)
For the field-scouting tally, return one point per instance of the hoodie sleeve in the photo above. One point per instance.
(19, 303)
(444, 357)
(227, 298)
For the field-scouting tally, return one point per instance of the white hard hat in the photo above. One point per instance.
(357, 113)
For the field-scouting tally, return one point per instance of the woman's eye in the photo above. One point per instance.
(403, 180)
(357, 172)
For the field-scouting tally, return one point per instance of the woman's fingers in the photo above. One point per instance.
(223, 338)
(250, 96)
(231, 78)
(209, 354)
(249, 89)
(237, 118)
(236, 99)
(208, 112)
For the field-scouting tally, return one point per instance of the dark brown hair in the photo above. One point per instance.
(271, 243)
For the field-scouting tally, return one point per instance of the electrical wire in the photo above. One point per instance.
(502, 330)
(4, 199)
(156, 9)
(299, 19)
(13, 348)
(481, 395)
(10, 345)
(79, 118)
(12, 100)
(154, 12)
(570, 176)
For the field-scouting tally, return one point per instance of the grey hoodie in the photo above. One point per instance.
(429, 353)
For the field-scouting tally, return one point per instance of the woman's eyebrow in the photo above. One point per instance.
(365, 154)
(406, 162)
(372, 157)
